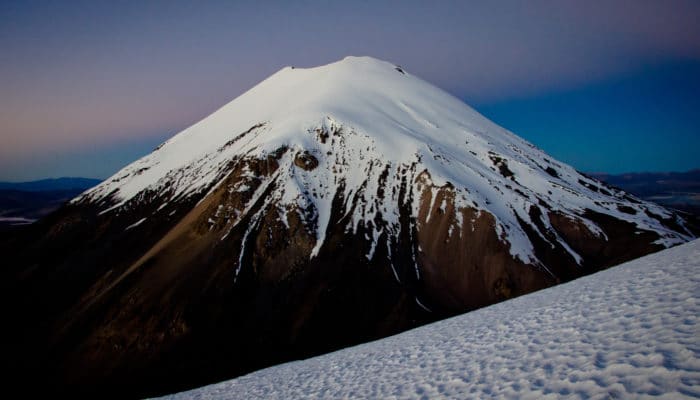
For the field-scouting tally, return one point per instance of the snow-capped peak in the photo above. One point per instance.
(365, 124)
(400, 110)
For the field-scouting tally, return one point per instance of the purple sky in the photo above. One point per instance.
(81, 76)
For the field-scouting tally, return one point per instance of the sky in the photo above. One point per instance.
(606, 86)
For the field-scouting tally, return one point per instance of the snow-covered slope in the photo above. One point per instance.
(627, 332)
(363, 127)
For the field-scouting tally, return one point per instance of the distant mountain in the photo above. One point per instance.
(22, 203)
(51, 184)
(324, 207)
(679, 190)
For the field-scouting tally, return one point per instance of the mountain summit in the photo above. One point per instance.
(355, 128)
(323, 207)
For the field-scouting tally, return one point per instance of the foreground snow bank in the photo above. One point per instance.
(630, 331)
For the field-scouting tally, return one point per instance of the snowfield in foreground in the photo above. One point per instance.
(630, 331)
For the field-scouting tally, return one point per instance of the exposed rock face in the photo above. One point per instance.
(306, 161)
(248, 239)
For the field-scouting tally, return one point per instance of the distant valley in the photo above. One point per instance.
(22, 203)
(678, 190)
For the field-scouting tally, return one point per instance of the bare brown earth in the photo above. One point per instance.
(468, 267)
(95, 308)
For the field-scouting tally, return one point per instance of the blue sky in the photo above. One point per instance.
(646, 120)
(88, 86)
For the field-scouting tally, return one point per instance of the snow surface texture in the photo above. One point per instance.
(369, 123)
(627, 332)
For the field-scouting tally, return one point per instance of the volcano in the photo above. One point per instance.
(322, 208)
